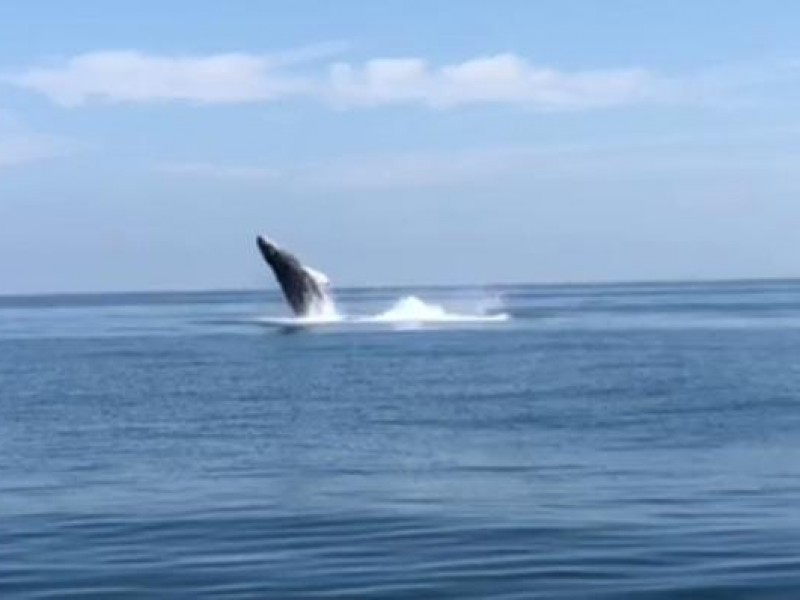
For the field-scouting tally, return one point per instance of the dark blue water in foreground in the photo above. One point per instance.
(638, 441)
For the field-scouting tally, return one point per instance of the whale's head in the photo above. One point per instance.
(269, 249)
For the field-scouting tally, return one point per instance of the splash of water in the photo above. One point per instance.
(322, 309)
(411, 309)
(408, 311)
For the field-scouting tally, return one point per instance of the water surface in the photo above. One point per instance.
(617, 441)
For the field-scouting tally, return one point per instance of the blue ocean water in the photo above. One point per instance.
(609, 441)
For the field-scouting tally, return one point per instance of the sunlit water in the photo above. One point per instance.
(638, 441)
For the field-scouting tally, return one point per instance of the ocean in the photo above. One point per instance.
(636, 441)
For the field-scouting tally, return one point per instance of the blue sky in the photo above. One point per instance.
(143, 145)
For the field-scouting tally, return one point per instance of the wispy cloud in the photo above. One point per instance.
(21, 148)
(115, 77)
(369, 173)
(361, 173)
(20, 145)
(138, 77)
(421, 169)
(502, 78)
(221, 171)
(473, 166)
(130, 76)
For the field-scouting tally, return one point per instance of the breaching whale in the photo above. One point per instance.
(305, 289)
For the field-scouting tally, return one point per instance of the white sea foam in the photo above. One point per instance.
(407, 311)
(411, 309)
(321, 310)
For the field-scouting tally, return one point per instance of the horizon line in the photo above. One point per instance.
(395, 286)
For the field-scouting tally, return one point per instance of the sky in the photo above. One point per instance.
(144, 144)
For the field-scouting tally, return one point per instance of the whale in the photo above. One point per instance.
(306, 290)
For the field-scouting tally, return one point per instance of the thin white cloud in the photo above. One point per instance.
(21, 145)
(359, 173)
(115, 77)
(417, 170)
(498, 79)
(366, 173)
(502, 78)
(466, 167)
(138, 77)
(221, 171)
(21, 148)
